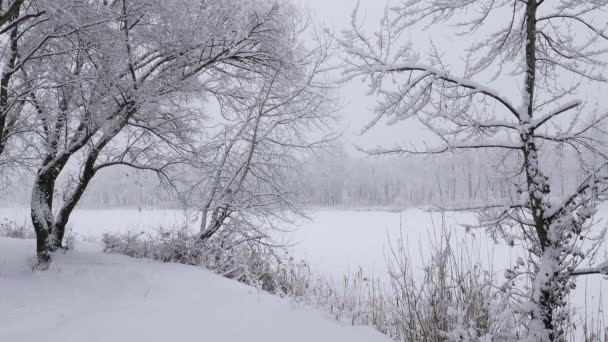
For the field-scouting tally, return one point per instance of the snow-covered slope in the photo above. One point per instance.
(90, 296)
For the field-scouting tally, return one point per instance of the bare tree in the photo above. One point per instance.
(268, 124)
(554, 49)
(124, 70)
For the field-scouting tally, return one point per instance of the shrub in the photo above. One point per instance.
(451, 303)
(11, 229)
(250, 261)
(454, 299)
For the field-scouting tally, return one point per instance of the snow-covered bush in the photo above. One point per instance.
(248, 261)
(456, 300)
(166, 246)
(11, 229)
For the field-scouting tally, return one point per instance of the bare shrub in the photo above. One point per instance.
(454, 298)
(592, 328)
(11, 229)
(252, 262)
(454, 301)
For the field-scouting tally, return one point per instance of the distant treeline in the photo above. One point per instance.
(336, 179)
(460, 180)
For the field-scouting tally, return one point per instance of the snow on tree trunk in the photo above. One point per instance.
(42, 216)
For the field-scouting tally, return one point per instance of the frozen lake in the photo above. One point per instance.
(335, 242)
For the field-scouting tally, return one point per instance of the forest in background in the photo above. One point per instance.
(334, 178)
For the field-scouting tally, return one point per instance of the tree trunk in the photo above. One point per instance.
(547, 284)
(42, 205)
(42, 214)
(43, 251)
(218, 218)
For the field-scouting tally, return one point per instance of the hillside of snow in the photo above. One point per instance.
(338, 242)
(90, 296)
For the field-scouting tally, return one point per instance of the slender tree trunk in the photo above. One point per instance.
(538, 189)
(548, 285)
(217, 220)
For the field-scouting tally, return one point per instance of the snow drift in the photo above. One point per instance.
(90, 296)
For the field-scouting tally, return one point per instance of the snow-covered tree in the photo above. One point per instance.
(269, 122)
(132, 64)
(555, 49)
(17, 50)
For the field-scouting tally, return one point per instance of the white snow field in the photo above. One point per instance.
(336, 242)
(90, 296)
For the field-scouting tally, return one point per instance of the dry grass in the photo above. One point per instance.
(13, 230)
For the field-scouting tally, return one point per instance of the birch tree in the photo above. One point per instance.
(555, 49)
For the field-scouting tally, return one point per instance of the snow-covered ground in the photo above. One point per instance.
(335, 242)
(90, 296)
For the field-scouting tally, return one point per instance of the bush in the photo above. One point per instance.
(10, 229)
(167, 246)
(455, 299)
(452, 303)
(249, 261)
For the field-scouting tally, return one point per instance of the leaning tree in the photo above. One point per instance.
(267, 123)
(557, 50)
(122, 82)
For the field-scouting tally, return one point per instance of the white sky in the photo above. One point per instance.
(335, 15)
(356, 112)
(357, 105)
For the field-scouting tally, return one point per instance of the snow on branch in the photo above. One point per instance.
(600, 32)
(585, 191)
(538, 122)
(451, 147)
(437, 74)
(599, 269)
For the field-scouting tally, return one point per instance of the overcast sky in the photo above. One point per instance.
(335, 15)
(356, 112)
(357, 105)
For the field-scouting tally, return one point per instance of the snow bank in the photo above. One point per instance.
(90, 296)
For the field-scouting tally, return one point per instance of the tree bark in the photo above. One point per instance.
(42, 205)
(11, 12)
(547, 284)
(42, 214)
